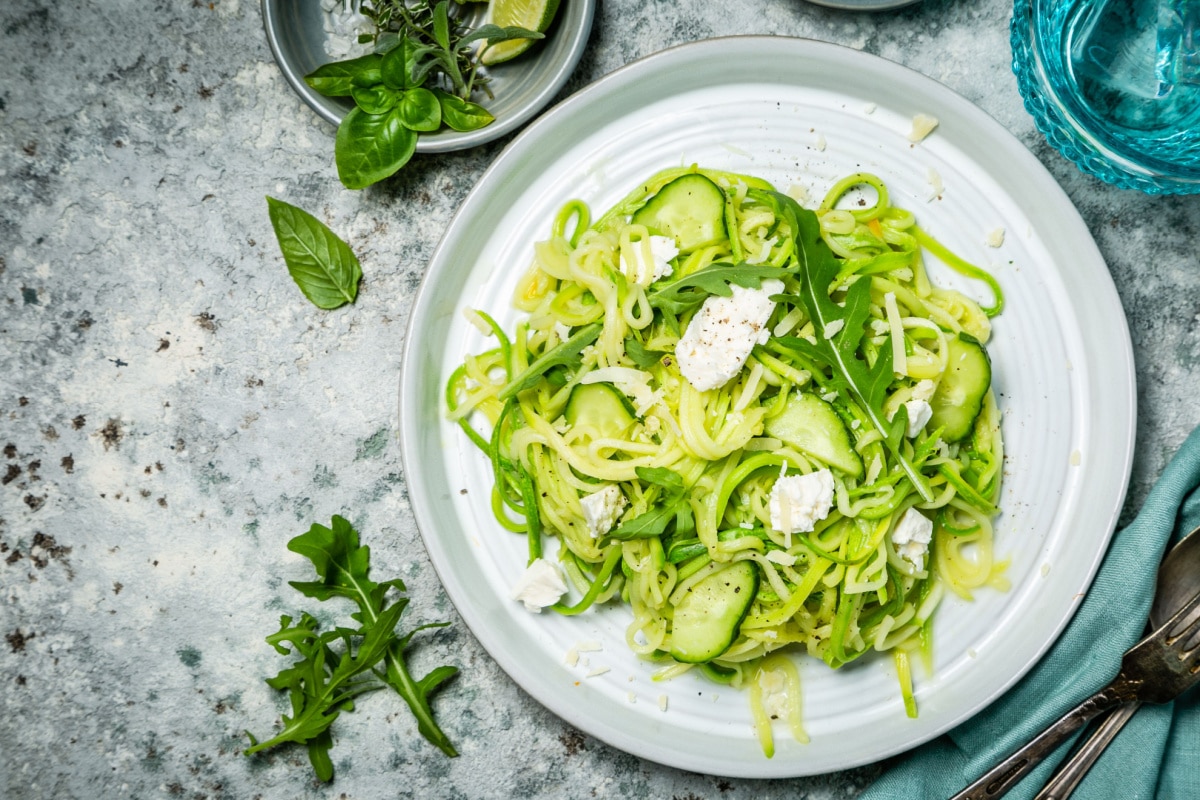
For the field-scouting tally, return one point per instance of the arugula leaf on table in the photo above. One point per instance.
(338, 665)
(321, 264)
(840, 328)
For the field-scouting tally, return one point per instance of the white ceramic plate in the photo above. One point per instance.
(806, 113)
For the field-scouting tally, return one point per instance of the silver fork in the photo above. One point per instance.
(1157, 669)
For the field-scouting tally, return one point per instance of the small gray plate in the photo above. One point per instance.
(522, 87)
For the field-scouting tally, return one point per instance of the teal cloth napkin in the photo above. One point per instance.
(1157, 755)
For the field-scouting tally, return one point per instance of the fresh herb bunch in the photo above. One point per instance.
(339, 664)
(421, 78)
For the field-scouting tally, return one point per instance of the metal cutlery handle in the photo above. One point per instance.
(1070, 774)
(1002, 777)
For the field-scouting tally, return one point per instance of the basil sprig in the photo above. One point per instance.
(401, 91)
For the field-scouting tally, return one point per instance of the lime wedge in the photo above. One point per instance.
(534, 15)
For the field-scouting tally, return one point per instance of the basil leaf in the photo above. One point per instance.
(419, 110)
(371, 147)
(462, 115)
(377, 99)
(396, 65)
(321, 264)
(337, 79)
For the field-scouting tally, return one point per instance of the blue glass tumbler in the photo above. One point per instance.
(1114, 85)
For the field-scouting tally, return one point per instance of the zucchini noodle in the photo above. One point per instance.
(586, 406)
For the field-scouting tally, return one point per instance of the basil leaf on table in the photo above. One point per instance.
(419, 110)
(321, 264)
(337, 79)
(371, 147)
(462, 115)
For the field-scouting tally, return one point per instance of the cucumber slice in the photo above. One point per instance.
(959, 396)
(707, 620)
(601, 409)
(690, 208)
(810, 424)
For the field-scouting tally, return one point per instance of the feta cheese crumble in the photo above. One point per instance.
(799, 502)
(919, 414)
(911, 537)
(541, 585)
(719, 338)
(994, 238)
(649, 259)
(601, 509)
(922, 126)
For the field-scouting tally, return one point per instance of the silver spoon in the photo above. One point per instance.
(1158, 668)
(1176, 578)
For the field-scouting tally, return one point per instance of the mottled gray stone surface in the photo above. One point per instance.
(172, 411)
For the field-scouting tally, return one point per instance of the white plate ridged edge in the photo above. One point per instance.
(1064, 370)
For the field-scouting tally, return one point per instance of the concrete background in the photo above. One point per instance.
(172, 411)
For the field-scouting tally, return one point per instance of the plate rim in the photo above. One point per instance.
(1125, 401)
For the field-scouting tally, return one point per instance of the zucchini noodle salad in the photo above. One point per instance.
(760, 427)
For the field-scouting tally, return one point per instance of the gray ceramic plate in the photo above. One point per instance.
(522, 87)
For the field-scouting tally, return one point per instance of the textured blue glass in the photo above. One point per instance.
(1114, 85)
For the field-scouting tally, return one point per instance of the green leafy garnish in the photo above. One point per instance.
(840, 329)
(690, 291)
(340, 664)
(674, 508)
(565, 353)
(320, 263)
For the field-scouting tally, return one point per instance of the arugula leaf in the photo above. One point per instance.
(655, 522)
(371, 147)
(661, 476)
(640, 354)
(866, 384)
(344, 567)
(690, 291)
(565, 353)
(321, 264)
(325, 681)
